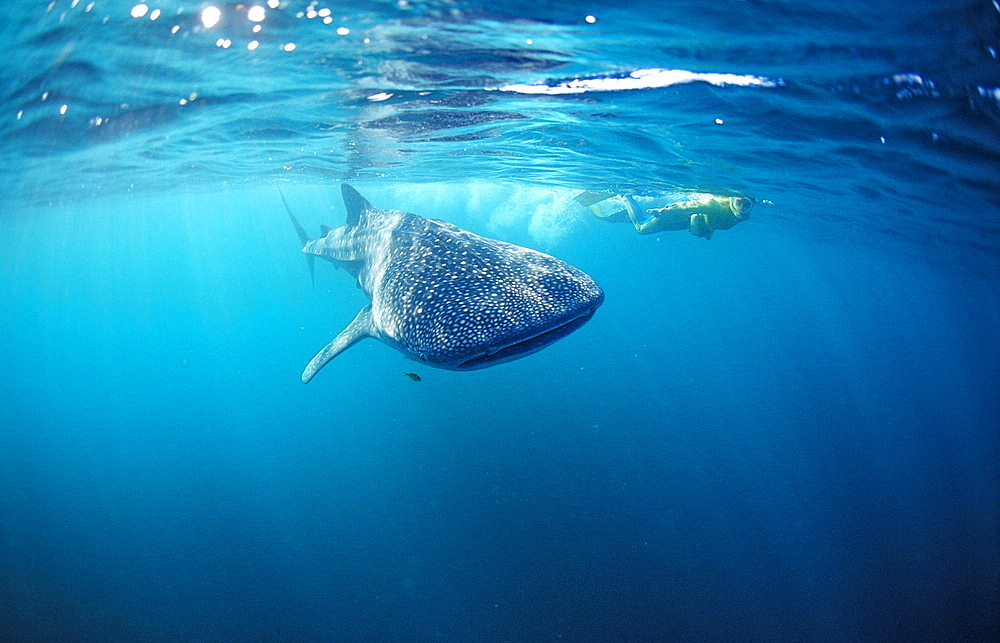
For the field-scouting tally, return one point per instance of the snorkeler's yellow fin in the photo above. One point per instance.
(588, 199)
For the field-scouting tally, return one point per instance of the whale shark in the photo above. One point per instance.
(443, 296)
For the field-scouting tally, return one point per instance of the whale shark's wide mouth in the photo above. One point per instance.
(525, 346)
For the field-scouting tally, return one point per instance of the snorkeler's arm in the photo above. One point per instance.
(703, 203)
(699, 226)
(669, 218)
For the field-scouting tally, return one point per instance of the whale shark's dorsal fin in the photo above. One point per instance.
(356, 204)
(324, 230)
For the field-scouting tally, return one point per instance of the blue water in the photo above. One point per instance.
(788, 433)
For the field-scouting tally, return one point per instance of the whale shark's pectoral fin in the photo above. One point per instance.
(363, 326)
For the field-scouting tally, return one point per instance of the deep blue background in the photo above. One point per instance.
(756, 438)
(790, 432)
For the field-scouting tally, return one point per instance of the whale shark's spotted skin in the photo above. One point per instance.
(447, 297)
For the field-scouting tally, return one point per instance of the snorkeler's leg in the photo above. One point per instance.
(631, 208)
(636, 214)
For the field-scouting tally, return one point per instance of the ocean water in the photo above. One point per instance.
(788, 433)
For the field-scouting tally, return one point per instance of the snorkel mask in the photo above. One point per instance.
(742, 206)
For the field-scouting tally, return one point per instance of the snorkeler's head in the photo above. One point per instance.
(742, 206)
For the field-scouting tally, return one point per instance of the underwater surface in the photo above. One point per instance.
(790, 432)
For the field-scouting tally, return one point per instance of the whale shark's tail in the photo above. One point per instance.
(303, 237)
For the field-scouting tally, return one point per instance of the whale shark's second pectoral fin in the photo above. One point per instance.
(303, 238)
(359, 329)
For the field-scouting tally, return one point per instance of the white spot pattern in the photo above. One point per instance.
(444, 295)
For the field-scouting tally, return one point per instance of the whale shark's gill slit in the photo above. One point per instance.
(526, 346)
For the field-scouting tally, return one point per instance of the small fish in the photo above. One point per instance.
(413, 376)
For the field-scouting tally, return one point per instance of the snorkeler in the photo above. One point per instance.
(700, 214)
